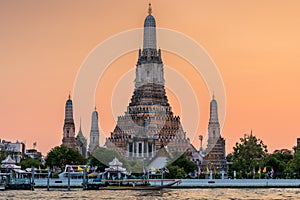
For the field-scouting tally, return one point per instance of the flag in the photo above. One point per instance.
(215, 170)
(272, 170)
(87, 169)
(71, 169)
(144, 170)
(199, 170)
(79, 169)
(254, 170)
(166, 170)
(264, 170)
(40, 169)
(153, 169)
(207, 169)
(259, 171)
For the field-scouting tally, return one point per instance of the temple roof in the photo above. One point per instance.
(8, 160)
(115, 162)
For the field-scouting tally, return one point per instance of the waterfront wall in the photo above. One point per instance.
(236, 183)
(57, 183)
(192, 183)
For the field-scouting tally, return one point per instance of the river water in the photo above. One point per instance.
(217, 193)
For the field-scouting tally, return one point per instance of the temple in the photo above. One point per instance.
(79, 142)
(149, 124)
(214, 154)
(69, 139)
(94, 134)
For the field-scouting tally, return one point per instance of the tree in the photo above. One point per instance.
(249, 154)
(28, 162)
(102, 157)
(60, 156)
(186, 164)
(92, 161)
(175, 172)
(180, 167)
(293, 166)
(278, 161)
(2, 155)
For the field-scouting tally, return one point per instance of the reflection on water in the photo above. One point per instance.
(217, 193)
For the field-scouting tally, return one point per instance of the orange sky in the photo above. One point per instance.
(255, 45)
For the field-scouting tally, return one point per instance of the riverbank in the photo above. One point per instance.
(239, 183)
(191, 183)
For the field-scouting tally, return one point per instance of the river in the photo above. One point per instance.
(217, 193)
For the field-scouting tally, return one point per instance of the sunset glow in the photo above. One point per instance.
(255, 45)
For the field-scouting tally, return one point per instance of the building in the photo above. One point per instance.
(33, 153)
(81, 143)
(149, 124)
(69, 139)
(94, 134)
(214, 154)
(15, 149)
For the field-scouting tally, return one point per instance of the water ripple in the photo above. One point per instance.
(181, 194)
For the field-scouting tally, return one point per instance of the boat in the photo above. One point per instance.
(3, 180)
(138, 184)
(115, 177)
(12, 176)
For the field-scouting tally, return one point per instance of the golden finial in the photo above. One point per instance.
(150, 9)
(69, 94)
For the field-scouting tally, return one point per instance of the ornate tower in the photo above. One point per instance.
(69, 126)
(215, 155)
(213, 124)
(94, 134)
(148, 125)
(81, 142)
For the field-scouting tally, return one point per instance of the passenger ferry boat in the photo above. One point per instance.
(115, 177)
(12, 177)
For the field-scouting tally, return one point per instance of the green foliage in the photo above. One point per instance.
(293, 166)
(28, 162)
(176, 172)
(105, 156)
(133, 166)
(92, 161)
(278, 161)
(2, 155)
(248, 154)
(60, 156)
(186, 164)
(102, 157)
(180, 168)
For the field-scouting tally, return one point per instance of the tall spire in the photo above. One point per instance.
(94, 134)
(69, 110)
(81, 142)
(149, 31)
(213, 110)
(80, 125)
(213, 124)
(69, 126)
(149, 65)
